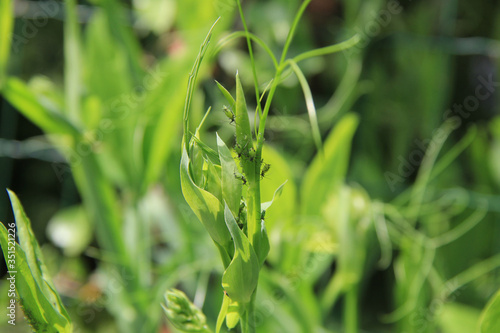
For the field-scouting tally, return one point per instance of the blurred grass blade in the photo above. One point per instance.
(327, 172)
(243, 34)
(40, 301)
(241, 277)
(328, 49)
(6, 27)
(463, 227)
(72, 62)
(122, 33)
(100, 199)
(490, 317)
(311, 109)
(425, 171)
(19, 95)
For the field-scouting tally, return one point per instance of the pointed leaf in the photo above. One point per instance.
(40, 301)
(227, 95)
(231, 187)
(19, 95)
(40, 312)
(328, 170)
(277, 194)
(205, 205)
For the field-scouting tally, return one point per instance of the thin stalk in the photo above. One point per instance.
(351, 310)
(257, 40)
(328, 49)
(279, 71)
(291, 33)
(252, 59)
(253, 208)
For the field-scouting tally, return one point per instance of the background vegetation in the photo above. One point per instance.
(370, 237)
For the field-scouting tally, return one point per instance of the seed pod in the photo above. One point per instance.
(183, 314)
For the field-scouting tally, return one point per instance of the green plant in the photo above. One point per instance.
(224, 190)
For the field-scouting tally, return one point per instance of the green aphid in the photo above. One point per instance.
(241, 177)
(265, 169)
(229, 114)
(263, 214)
(251, 154)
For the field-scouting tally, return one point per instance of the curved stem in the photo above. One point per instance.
(238, 34)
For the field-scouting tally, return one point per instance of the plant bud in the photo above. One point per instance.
(183, 314)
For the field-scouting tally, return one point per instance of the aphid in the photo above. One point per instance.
(241, 151)
(229, 114)
(263, 214)
(242, 216)
(265, 169)
(251, 154)
(241, 177)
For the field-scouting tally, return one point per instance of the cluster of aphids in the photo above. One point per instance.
(242, 152)
(242, 215)
(249, 155)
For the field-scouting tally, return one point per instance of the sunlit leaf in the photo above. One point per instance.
(490, 317)
(241, 277)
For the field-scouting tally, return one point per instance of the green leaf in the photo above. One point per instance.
(328, 170)
(277, 194)
(222, 313)
(231, 186)
(490, 317)
(19, 95)
(40, 301)
(204, 204)
(311, 109)
(227, 95)
(106, 79)
(72, 63)
(6, 25)
(208, 152)
(241, 277)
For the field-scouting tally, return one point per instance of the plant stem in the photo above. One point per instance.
(248, 319)
(252, 59)
(351, 310)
